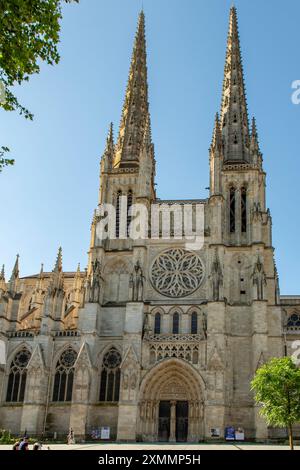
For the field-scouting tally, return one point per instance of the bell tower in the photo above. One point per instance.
(127, 167)
(237, 178)
(240, 231)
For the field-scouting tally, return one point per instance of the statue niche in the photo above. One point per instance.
(93, 285)
(259, 280)
(136, 283)
(216, 279)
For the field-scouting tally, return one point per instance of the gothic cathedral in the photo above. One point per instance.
(153, 340)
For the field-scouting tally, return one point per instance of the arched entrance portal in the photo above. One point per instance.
(171, 403)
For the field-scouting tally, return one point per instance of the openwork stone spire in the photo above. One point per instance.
(234, 115)
(136, 107)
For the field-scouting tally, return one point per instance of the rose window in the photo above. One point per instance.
(68, 358)
(112, 359)
(177, 272)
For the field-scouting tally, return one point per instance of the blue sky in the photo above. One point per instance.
(48, 197)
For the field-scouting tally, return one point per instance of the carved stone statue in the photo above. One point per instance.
(133, 381)
(216, 278)
(146, 326)
(285, 318)
(125, 381)
(136, 283)
(259, 279)
(94, 283)
(257, 212)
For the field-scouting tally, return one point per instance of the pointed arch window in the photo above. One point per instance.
(157, 323)
(235, 139)
(175, 323)
(110, 376)
(17, 376)
(129, 204)
(243, 210)
(232, 210)
(194, 323)
(118, 210)
(64, 375)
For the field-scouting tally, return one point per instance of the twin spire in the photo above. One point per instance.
(135, 113)
(237, 142)
(234, 114)
(136, 107)
(231, 134)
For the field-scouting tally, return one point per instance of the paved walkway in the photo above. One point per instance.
(187, 447)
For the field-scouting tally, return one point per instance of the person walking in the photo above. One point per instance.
(71, 437)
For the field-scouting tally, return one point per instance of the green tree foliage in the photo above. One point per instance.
(3, 160)
(29, 35)
(276, 386)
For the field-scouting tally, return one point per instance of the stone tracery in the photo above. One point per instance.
(177, 272)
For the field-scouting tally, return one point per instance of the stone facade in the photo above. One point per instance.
(155, 356)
